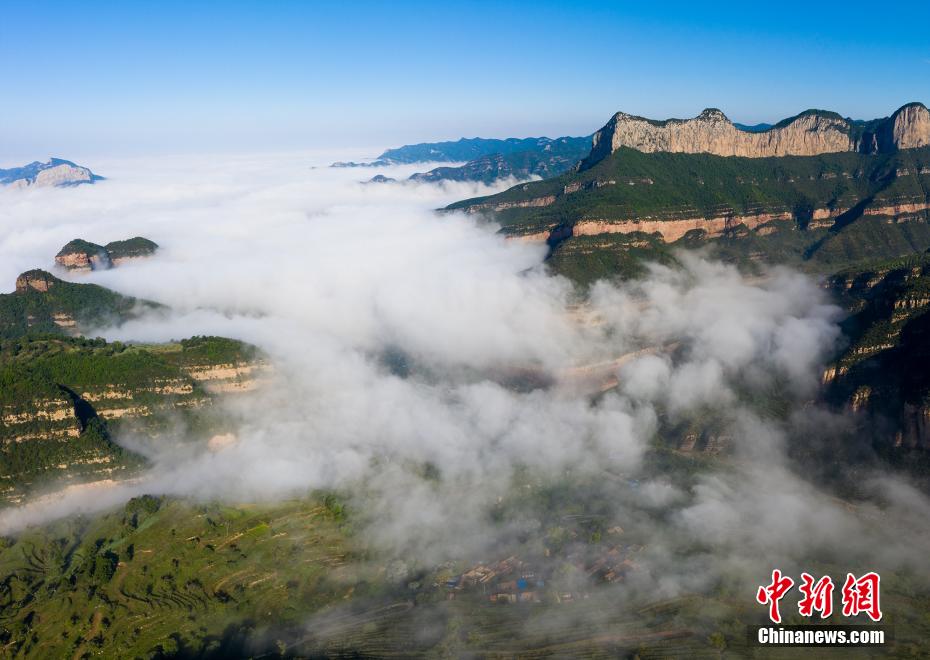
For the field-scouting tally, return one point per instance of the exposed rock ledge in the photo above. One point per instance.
(39, 280)
(673, 230)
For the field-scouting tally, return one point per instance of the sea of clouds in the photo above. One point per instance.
(333, 278)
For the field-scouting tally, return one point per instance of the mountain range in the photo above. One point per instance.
(485, 160)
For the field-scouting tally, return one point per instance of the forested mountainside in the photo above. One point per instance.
(42, 302)
(63, 398)
(825, 212)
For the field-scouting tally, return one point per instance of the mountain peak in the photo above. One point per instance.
(36, 279)
(56, 172)
(714, 114)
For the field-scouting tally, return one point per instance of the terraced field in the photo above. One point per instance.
(166, 577)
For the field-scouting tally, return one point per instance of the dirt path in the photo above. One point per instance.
(93, 632)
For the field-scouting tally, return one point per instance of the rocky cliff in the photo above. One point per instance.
(55, 173)
(810, 133)
(883, 374)
(36, 280)
(84, 255)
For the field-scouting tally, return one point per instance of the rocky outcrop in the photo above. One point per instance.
(55, 173)
(84, 255)
(535, 202)
(38, 280)
(810, 133)
(673, 229)
(911, 127)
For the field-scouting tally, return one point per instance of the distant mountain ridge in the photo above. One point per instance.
(454, 151)
(810, 133)
(486, 160)
(466, 149)
(549, 158)
(753, 128)
(57, 172)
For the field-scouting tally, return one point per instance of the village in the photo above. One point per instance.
(514, 580)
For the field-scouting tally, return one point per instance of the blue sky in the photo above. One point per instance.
(134, 77)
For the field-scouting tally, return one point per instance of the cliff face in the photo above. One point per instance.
(911, 127)
(39, 280)
(82, 255)
(883, 372)
(809, 134)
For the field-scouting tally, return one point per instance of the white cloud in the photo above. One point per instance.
(326, 275)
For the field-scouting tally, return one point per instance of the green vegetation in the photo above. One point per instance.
(133, 247)
(673, 185)
(586, 259)
(51, 388)
(84, 367)
(80, 246)
(65, 308)
(200, 350)
(162, 578)
(630, 185)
